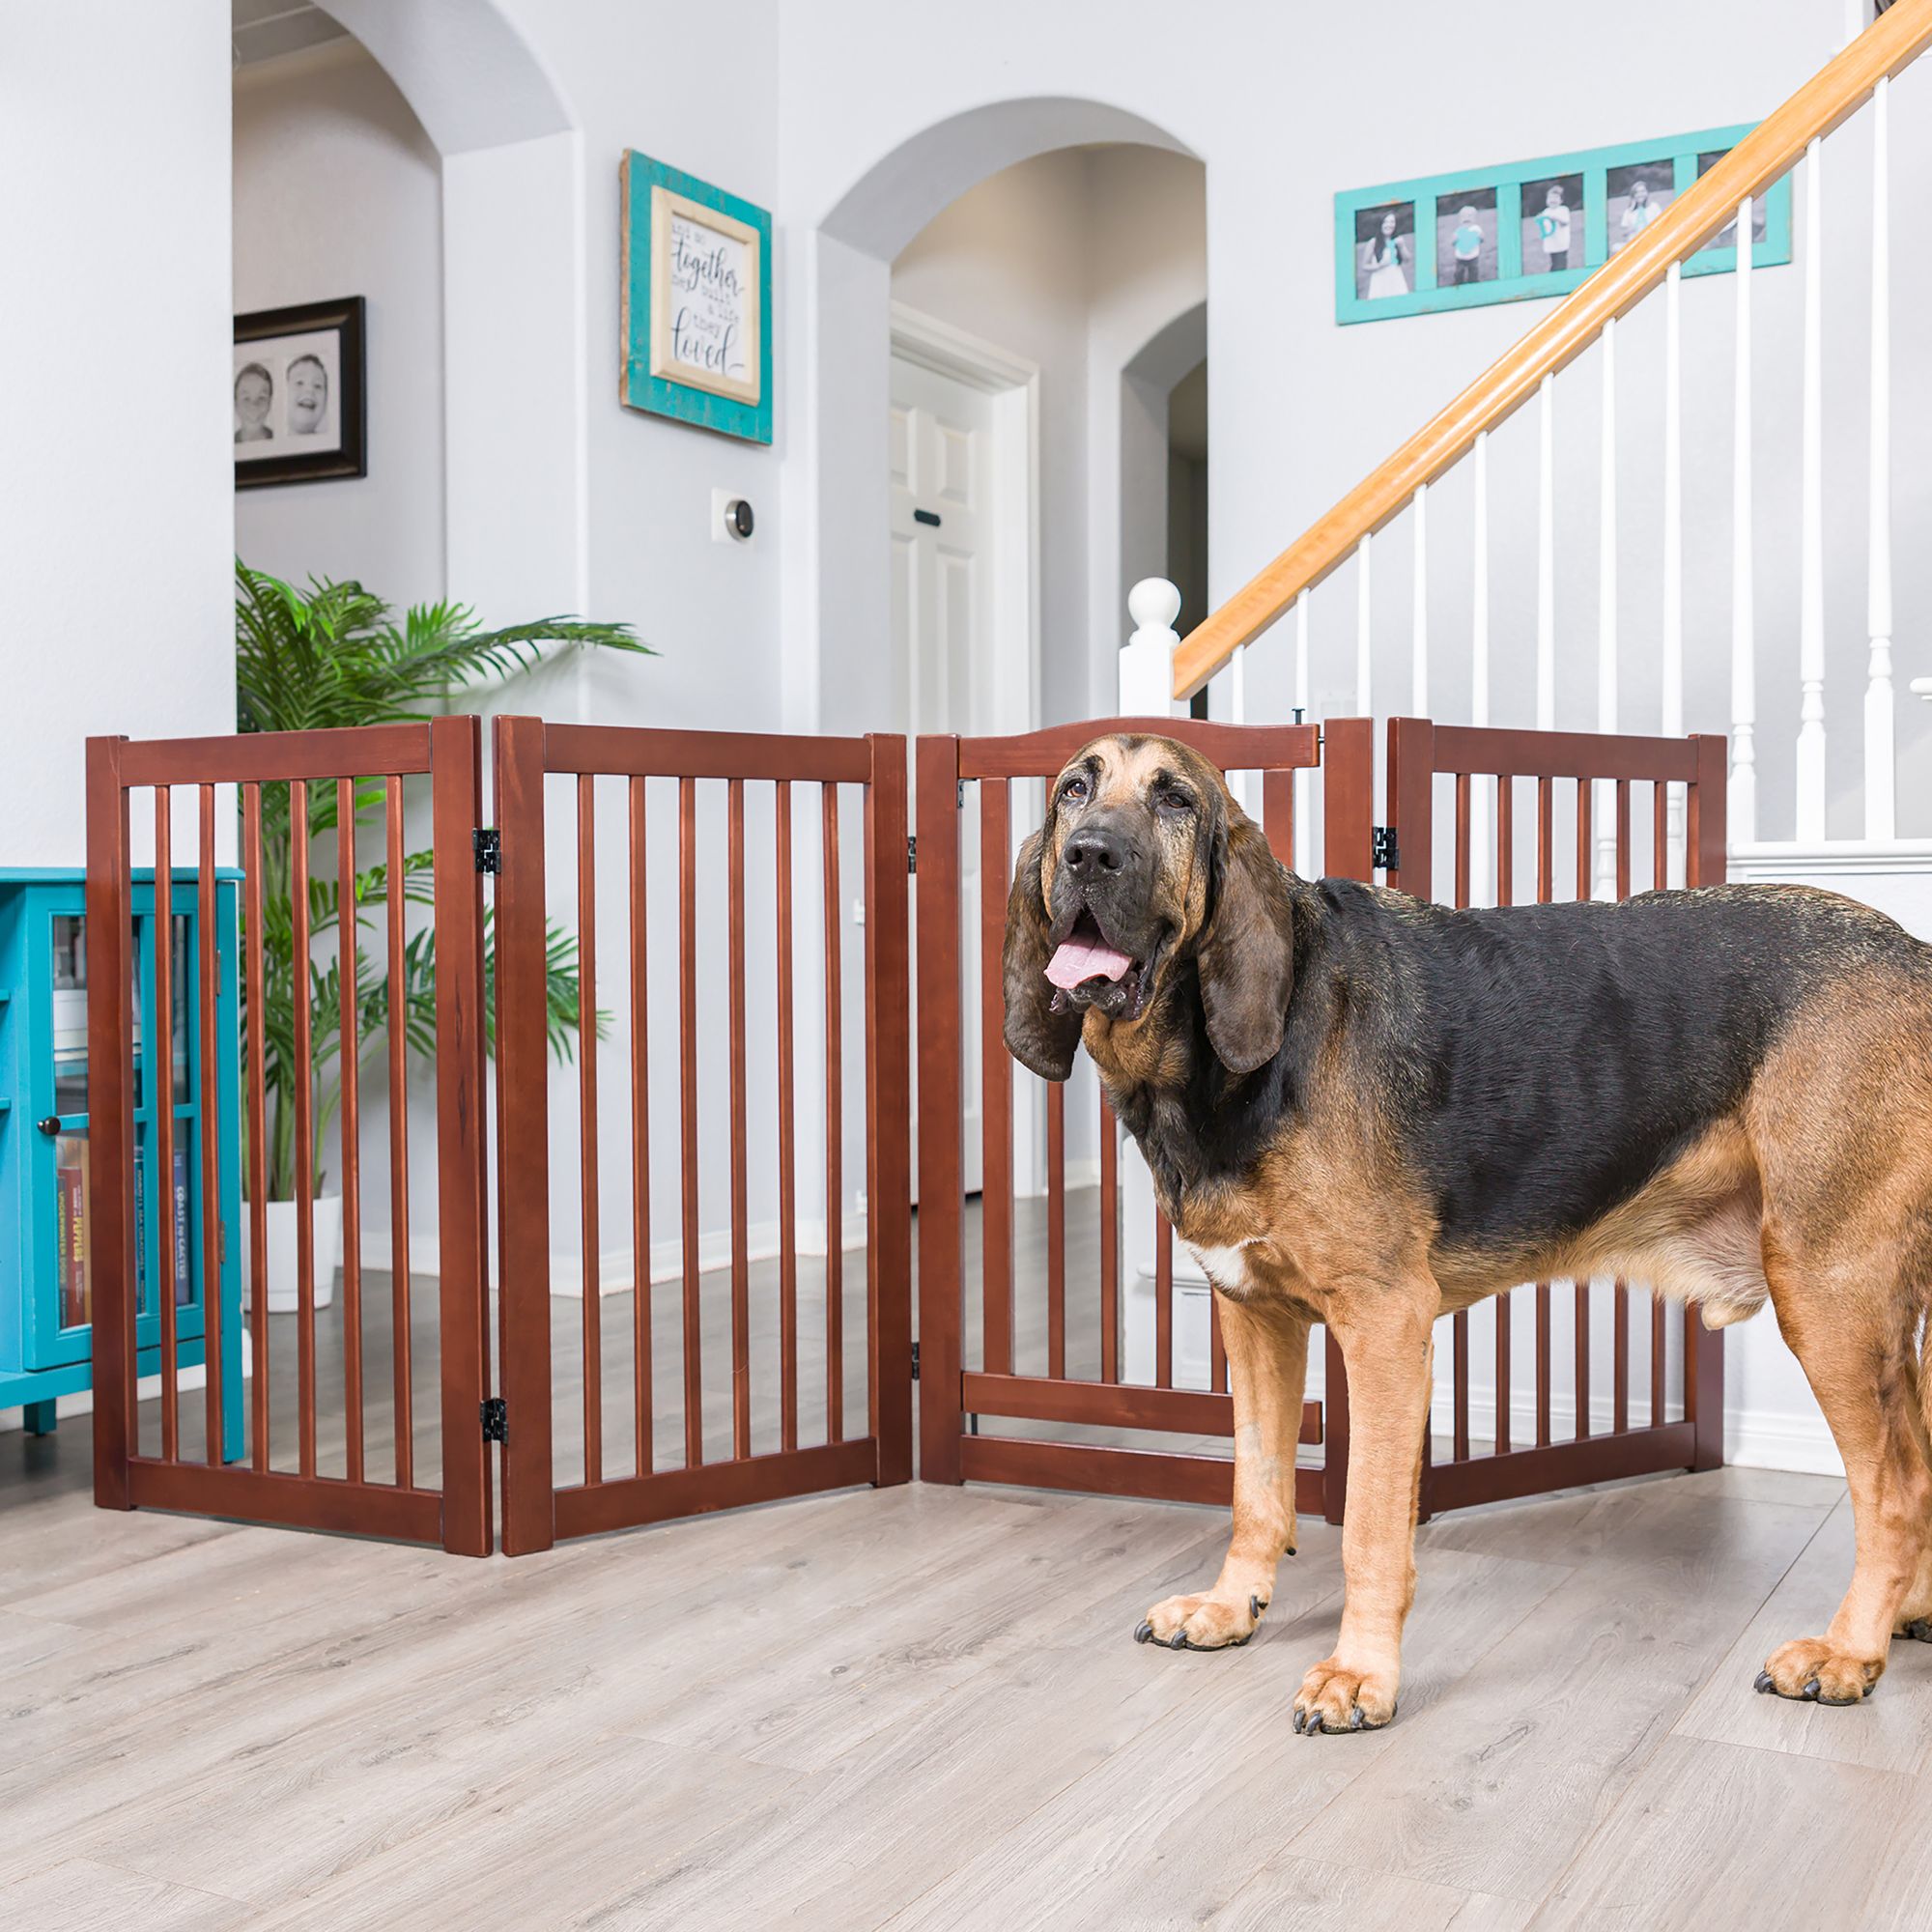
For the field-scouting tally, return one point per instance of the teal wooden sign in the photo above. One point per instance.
(697, 288)
(1529, 228)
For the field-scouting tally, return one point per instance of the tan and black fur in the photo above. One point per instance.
(1363, 1110)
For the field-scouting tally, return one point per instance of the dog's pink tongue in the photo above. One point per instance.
(1078, 959)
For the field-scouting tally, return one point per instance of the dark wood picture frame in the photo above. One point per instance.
(350, 455)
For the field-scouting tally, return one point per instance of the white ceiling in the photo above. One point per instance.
(263, 29)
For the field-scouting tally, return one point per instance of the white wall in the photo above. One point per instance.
(338, 192)
(114, 444)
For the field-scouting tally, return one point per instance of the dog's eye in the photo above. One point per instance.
(1075, 791)
(1175, 798)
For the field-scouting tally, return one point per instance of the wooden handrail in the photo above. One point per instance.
(1838, 89)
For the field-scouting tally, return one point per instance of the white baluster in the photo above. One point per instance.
(1673, 552)
(1741, 813)
(1546, 562)
(1364, 613)
(1811, 535)
(1419, 619)
(1880, 820)
(1146, 663)
(1304, 791)
(1606, 613)
(1481, 858)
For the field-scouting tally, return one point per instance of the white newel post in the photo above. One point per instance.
(1146, 686)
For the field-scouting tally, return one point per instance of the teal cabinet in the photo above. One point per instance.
(46, 1253)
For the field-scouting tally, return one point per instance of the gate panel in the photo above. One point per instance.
(1583, 783)
(734, 1105)
(310, 1006)
(1070, 1320)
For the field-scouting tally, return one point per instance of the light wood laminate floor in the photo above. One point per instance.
(923, 1708)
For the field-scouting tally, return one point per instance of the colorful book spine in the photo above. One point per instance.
(184, 1268)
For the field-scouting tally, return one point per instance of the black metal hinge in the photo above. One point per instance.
(912, 851)
(915, 1362)
(1384, 855)
(496, 1419)
(488, 844)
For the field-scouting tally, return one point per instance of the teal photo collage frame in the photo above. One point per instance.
(1418, 280)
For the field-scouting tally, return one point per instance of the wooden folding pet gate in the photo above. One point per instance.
(748, 1335)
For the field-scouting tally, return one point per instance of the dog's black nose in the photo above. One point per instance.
(1094, 853)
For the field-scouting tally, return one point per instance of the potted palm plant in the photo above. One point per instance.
(310, 660)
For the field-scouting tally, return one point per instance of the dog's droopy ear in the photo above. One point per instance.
(1041, 1030)
(1245, 956)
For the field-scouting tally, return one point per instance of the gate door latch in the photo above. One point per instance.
(1384, 856)
(496, 1419)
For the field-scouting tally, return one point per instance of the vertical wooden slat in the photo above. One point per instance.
(1660, 835)
(348, 985)
(162, 1080)
(741, 1260)
(687, 1057)
(298, 857)
(1704, 1348)
(1657, 1348)
(586, 1113)
(834, 1129)
(1504, 1306)
(399, 1139)
(1278, 814)
(462, 1275)
(996, 1106)
(207, 975)
(1163, 1301)
(1542, 1365)
(110, 1140)
(788, 1158)
(1056, 1229)
(1546, 841)
(1462, 839)
(1620, 1361)
(256, 1113)
(640, 1133)
(1217, 1346)
(523, 1134)
(941, 1231)
(1110, 1244)
(889, 1110)
(1623, 838)
(1460, 1326)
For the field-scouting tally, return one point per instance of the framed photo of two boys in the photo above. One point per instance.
(301, 405)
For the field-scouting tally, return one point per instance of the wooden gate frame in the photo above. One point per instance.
(447, 750)
(536, 1511)
(1418, 751)
(950, 1452)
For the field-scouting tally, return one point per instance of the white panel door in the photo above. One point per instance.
(940, 457)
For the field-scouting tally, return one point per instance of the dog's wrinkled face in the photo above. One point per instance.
(1124, 856)
(1144, 860)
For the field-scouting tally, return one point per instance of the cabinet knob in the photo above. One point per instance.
(50, 1127)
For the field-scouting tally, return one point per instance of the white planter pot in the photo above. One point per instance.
(283, 1297)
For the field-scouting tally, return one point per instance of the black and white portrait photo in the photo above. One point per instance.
(1465, 238)
(1385, 251)
(1553, 225)
(1634, 196)
(298, 394)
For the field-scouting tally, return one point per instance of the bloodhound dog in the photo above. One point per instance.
(1363, 1110)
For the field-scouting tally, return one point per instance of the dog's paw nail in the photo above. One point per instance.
(1300, 1722)
(1177, 1641)
(1356, 1718)
(1811, 1690)
(1764, 1687)
(1315, 1723)
(1256, 1607)
(1143, 1632)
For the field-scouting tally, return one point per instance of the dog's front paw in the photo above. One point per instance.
(1810, 1669)
(1333, 1697)
(1206, 1622)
